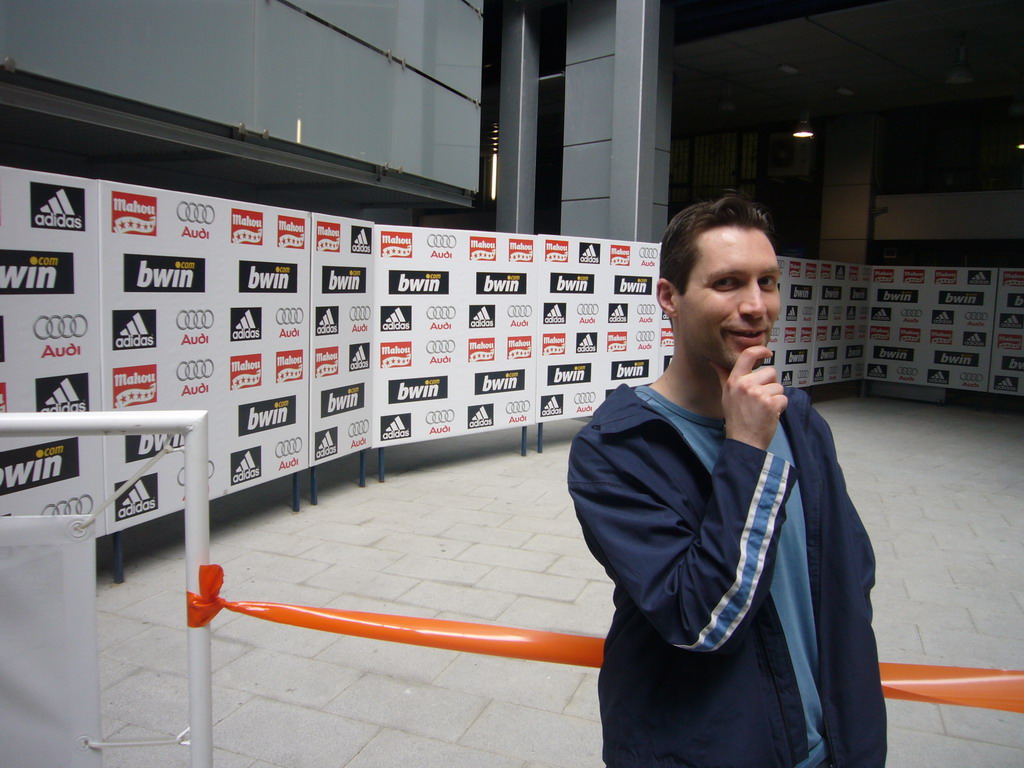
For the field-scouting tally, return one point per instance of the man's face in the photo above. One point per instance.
(731, 300)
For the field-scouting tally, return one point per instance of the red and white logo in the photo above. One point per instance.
(794, 268)
(134, 385)
(789, 335)
(289, 366)
(483, 248)
(519, 347)
(667, 339)
(132, 214)
(826, 271)
(246, 227)
(884, 275)
(806, 332)
(941, 336)
(1013, 278)
(328, 237)
(619, 256)
(822, 333)
(810, 270)
(880, 332)
(913, 335)
(850, 332)
(913, 276)
(3, 397)
(556, 250)
(520, 251)
(553, 344)
(325, 362)
(291, 232)
(481, 350)
(945, 277)
(246, 371)
(396, 354)
(617, 341)
(395, 245)
(1009, 341)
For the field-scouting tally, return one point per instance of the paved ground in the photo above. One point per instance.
(468, 529)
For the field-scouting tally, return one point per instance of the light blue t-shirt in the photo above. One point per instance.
(791, 583)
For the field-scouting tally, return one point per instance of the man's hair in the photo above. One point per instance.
(679, 250)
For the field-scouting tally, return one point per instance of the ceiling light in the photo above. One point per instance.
(789, 69)
(803, 129)
(960, 73)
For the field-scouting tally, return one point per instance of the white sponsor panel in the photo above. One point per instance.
(342, 357)
(206, 306)
(795, 332)
(1007, 371)
(840, 318)
(50, 339)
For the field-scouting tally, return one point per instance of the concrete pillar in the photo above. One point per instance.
(847, 192)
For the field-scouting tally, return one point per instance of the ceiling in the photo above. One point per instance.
(889, 55)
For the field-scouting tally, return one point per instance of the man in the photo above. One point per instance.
(713, 498)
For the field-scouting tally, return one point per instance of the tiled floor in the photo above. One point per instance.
(468, 529)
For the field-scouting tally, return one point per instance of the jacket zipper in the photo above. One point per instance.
(775, 685)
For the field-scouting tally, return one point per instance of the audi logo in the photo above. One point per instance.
(194, 320)
(288, 447)
(645, 336)
(76, 505)
(194, 370)
(60, 327)
(517, 406)
(587, 309)
(976, 315)
(646, 309)
(582, 398)
(520, 310)
(359, 312)
(646, 252)
(209, 473)
(196, 213)
(440, 346)
(975, 377)
(289, 315)
(357, 428)
(911, 312)
(445, 416)
(906, 371)
(440, 313)
(441, 241)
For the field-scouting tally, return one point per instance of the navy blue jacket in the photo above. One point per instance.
(697, 672)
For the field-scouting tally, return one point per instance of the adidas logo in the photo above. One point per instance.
(327, 446)
(139, 500)
(585, 344)
(617, 315)
(55, 210)
(554, 315)
(552, 406)
(360, 240)
(590, 253)
(974, 340)
(247, 327)
(942, 317)
(328, 325)
(396, 321)
(1005, 384)
(1011, 321)
(938, 377)
(135, 333)
(980, 278)
(482, 417)
(877, 371)
(396, 429)
(246, 469)
(482, 318)
(359, 360)
(64, 399)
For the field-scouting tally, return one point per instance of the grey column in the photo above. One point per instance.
(517, 118)
(847, 187)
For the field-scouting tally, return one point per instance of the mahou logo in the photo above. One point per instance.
(883, 275)
(483, 248)
(520, 251)
(1013, 278)
(325, 362)
(395, 245)
(553, 344)
(519, 347)
(619, 256)
(245, 371)
(291, 232)
(246, 227)
(667, 339)
(132, 214)
(134, 385)
(617, 341)
(556, 250)
(395, 354)
(328, 237)
(481, 350)
(915, 276)
(289, 366)
(942, 277)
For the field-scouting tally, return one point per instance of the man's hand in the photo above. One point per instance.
(752, 400)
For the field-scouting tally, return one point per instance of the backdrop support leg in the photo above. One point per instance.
(295, 492)
(540, 437)
(362, 467)
(312, 486)
(117, 557)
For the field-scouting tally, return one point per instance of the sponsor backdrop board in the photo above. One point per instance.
(931, 326)
(49, 339)
(454, 335)
(205, 306)
(793, 338)
(1008, 352)
(342, 357)
(841, 319)
(631, 312)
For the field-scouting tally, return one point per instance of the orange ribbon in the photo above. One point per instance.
(963, 686)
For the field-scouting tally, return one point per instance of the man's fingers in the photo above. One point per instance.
(748, 359)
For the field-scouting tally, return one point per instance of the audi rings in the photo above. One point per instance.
(357, 428)
(976, 315)
(971, 377)
(289, 315)
(644, 336)
(646, 309)
(587, 309)
(440, 346)
(904, 371)
(444, 416)
(518, 406)
(647, 252)
(60, 327)
(194, 320)
(582, 398)
(435, 240)
(288, 447)
(520, 310)
(196, 213)
(440, 313)
(194, 370)
(209, 473)
(911, 312)
(76, 505)
(359, 312)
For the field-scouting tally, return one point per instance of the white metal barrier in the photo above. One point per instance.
(192, 426)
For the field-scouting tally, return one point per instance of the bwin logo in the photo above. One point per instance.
(395, 427)
(343, 280)
(480, 416)
(35, 465)
(562, 283)
(341, 400)
(163, 274)
(137, 500)
(360, 242)
(267, 277)
(246, 465)
(630, 370)
(415, 390)
(500, 381)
